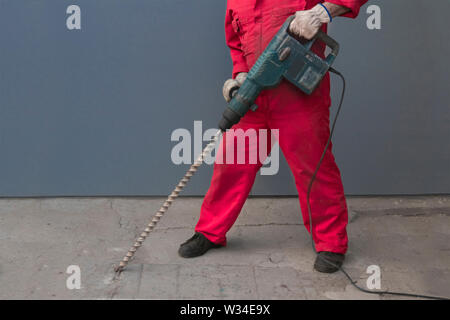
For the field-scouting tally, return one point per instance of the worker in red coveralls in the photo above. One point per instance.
(303, 128)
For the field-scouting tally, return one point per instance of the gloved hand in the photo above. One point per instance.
(308, 22)
(233, 83)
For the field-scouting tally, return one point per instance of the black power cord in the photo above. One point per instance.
(313, 178)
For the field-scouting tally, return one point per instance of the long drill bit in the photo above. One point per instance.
(192, 170)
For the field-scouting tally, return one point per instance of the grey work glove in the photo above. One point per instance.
(308, 22)
(230, 84)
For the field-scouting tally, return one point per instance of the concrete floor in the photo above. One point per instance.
(268, 255)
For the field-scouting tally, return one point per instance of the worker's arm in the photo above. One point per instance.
(345, 8)
(233, 42)
(308, 22)
(336, 10)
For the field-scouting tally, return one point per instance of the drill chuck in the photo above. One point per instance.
(229, 119)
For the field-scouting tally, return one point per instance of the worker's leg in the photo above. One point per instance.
(303, 124)
(232, 180)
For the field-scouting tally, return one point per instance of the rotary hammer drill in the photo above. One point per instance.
(285, 57)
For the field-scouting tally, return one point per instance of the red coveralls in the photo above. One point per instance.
(303, 124)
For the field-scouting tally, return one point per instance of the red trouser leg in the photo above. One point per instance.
(303, 124)
(232, 181)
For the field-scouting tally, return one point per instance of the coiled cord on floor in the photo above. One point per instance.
(313, 178)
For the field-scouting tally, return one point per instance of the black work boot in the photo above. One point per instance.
(196, 246)
(335, 259)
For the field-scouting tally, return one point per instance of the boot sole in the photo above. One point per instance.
(197, 255)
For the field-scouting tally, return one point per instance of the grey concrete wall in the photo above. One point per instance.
(91, 111)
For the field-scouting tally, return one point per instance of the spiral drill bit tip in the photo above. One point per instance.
(192, 170)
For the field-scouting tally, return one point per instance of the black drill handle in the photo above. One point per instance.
(330, 42)
(322, 36)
